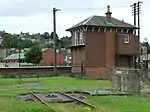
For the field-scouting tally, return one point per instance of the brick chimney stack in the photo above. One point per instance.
(108, 13)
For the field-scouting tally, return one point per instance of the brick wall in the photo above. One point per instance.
(97, 73)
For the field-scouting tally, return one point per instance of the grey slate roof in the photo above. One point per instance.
(100, 21)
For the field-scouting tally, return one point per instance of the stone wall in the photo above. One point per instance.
(130, 80)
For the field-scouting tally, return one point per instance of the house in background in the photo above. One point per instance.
(144, 57)
(67, 56)
(3, 53)
(101, 43)
(47, 59)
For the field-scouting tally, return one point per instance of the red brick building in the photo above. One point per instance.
(101, 43)
(47, 59)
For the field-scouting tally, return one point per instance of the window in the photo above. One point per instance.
(81, 37)
(127, 39)
(78, 38)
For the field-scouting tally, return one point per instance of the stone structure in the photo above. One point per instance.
(133, 81)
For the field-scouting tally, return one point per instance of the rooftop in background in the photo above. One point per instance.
(44, 49)
(15, 56)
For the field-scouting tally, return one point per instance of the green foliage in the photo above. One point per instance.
(46, 35)
(34, 55)
(13, 41)
(147, 45)
(10, 41)
(48, 46)
(65, 42)
(27, 43)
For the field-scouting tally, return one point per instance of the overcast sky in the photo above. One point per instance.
(36, 15)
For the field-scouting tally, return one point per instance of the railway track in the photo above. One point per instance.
(38, 98)
(78, 101)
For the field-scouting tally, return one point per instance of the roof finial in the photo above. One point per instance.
(108, 8)
(108, 13)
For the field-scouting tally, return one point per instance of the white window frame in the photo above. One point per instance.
(81, 37)
(127, 39)
(78, 38)
(75, 36)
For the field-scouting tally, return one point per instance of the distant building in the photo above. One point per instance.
(1, 39)
(47, 59)
(3, 53)
(67, 56)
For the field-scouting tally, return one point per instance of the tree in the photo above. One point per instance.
(46, 35)
(65, 41)
(52, 36)
(34, 55)
(27, 43)
(51, 46)
(10, 41)
(146, 44)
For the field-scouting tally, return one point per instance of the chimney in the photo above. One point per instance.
(108, 13)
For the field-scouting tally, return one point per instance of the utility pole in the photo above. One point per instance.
(146, 52)
(54, 35)
(19, 49)
(134, 14)
(138, 13)
(136, 8)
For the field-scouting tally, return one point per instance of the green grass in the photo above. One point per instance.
(121, 103)
(104, 103)
(11, 105)
(10, 87)
(8, 81)
(68, 107)
(52, 84)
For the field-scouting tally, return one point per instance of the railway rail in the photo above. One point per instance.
(78, 101)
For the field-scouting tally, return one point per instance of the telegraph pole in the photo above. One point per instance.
(138, 13)
(134, 14)
(19, 49)
(54, 35)
(136, 8)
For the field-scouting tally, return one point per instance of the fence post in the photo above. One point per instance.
(82, 68)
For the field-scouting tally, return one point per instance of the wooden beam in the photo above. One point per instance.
(93, 29)
(111, 29)
(127, 31)
(122, 30)
(99, 29)
(105, 29)
(117, 30)
(86, 28)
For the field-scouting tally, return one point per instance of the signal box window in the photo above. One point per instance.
(127, 39)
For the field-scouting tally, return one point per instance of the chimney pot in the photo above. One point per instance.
(108, 13)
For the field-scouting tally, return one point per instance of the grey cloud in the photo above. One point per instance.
(29, 7)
